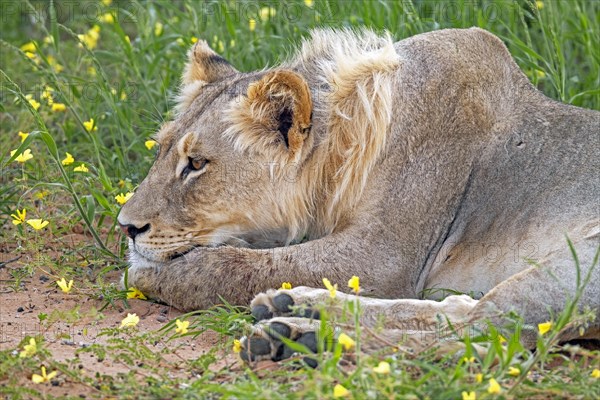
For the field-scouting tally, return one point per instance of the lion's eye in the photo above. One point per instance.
(194, 164)
(197, 165)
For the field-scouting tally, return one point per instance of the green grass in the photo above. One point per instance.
(126, 84)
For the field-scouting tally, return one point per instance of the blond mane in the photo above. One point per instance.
(350, 75)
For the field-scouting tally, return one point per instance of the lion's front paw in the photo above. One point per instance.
(267, 339)
(286, 315)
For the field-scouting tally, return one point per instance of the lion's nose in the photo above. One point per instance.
(132, 231)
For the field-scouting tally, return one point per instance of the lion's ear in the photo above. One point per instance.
(205, 65)
(276, 109)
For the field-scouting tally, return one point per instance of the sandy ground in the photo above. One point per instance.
(39, 294)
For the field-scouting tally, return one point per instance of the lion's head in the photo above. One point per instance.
(267, 158)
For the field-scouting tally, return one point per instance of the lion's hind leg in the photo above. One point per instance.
(541, 294)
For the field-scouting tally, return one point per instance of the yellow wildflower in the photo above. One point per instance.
(237, 346)
(332, 288)
(64, 286)
(90, 126)
(107, 18)
(32, 56)
(23, 136)
(90, 38)
(158, 29)
(252, 24)
(596, 373)
(41, 194)
(29, 349)
(468, 360)
(308, 3)
(48, 39)
(346, 341)
(68, 160)
(267, 13)
(33, 102)
(35, 378)
(81, 168)
(194, 39)
(47, 95)
(354, 284)
(182, 326)
(514, 371)
(469, 396)
(540, 74)
(286, 286)
(58, 107)
(24, 156)
(383, 368)
(83, 39)
(19, 218)
(121, 183)
(494, 387)
(539, 4)
(55, 65)
(123, 198)
(545, 327)
(340, 391)
(502, 339)
(135, 293)
(130, 320)
(479, 378)
(29, 47)
(150, 144)
(37, 224)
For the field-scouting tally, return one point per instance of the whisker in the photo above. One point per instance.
(225, 236)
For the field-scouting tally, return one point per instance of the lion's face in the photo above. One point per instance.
(225, 165)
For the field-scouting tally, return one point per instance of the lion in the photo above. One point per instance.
(426, 167)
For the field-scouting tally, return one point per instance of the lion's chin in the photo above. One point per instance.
(141, 257)
(137, 260)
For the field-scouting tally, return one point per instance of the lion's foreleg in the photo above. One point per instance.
(205, 276)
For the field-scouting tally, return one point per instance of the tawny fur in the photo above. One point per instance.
(423, 165)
